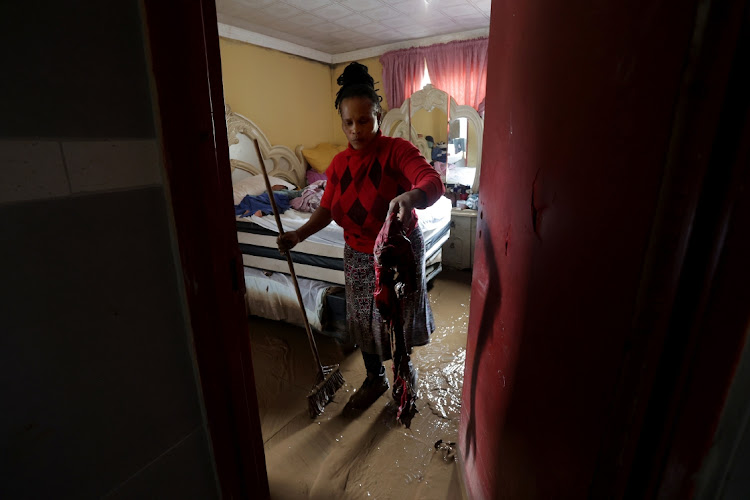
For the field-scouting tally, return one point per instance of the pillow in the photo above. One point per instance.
(254, 185)
(313, 176)
(321, 155)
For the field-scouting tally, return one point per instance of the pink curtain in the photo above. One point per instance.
(402, 74)
(460, 69)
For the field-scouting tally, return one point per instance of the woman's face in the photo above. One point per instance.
(359, 121)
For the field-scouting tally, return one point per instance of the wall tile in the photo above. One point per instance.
(31, 170)
(105, 165)
(77, 69)
(96, 370)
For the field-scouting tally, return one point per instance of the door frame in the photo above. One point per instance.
(182, 40)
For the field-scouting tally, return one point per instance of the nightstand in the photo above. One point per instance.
(458, 251)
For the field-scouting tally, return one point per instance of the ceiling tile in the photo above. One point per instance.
(253, 3)
(229, 8)
(412, 6)
(431, 16)
(344, 35)
(308, 5)
(471, 22)
(384, 12)
(444, 25)
(283, 26)
(366, 41)
(371, 29)
(391, 36)
(257, 17)
(333, 11)
(446, 3)
(460, 10)
(325, 28)
(398, 22)
(281, 10)
(483, 5)
(337, 26)
(307, 20)
(353, 21)
(359, 5)
(417, 32)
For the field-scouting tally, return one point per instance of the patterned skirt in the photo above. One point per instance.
(363, 318)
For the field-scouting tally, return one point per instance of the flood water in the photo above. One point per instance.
(367, 455)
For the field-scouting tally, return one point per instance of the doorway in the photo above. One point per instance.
(283, 364)
(533, 443)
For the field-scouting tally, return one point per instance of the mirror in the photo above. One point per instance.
(454, 148)
(431, 125)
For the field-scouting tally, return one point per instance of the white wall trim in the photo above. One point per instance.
(243, 35)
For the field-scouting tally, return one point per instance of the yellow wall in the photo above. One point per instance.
(376, 71)
(434, 123)
(287, 96)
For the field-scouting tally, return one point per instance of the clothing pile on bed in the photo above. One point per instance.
(261, 204)
(305, 200)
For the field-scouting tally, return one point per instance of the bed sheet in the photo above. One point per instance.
(321, 255)
(430, 219)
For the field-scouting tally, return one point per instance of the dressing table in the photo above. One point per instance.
(431, 112)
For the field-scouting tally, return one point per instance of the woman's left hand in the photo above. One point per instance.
(405, 202)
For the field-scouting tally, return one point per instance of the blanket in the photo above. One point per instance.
(251, 205)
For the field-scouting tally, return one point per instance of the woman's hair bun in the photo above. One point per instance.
(355, 73)
(355, 81)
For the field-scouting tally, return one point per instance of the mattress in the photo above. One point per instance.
(273, 296)
(321, 256)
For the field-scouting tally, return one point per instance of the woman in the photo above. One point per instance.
(374, 176)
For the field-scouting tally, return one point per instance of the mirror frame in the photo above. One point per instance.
(397, 122)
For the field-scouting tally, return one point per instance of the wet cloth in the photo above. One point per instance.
(362, 183)
(309, 198)
(363, 318)
(252, 204)
(394, 279)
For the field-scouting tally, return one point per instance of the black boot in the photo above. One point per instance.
(372, 388)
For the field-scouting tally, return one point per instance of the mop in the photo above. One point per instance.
(329, 378)
(394, 278)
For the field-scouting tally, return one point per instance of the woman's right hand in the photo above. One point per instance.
(287, 241)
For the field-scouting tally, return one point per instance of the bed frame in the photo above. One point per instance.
(280, 161)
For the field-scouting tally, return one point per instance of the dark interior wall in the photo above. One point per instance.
(580, 108)
(96, 367)
(78, 70)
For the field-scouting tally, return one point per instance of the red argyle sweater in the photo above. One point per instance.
(361, 184)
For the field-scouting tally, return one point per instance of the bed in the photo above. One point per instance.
(318, 261)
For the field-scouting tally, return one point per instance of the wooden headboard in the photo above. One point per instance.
(280, 161)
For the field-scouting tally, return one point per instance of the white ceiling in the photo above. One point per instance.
(340, 26)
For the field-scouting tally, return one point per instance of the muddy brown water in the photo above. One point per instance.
(367, 455)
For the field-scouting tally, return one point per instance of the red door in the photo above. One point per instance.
(609, 178)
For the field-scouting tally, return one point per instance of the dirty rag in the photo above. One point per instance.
(394, 277)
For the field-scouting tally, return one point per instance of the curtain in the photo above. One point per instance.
(460, 69)
(402, 74)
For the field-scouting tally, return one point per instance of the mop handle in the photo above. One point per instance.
(289, 259)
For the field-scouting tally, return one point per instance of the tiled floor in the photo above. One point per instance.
(367, 456)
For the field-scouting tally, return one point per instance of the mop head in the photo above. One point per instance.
(322, 393)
